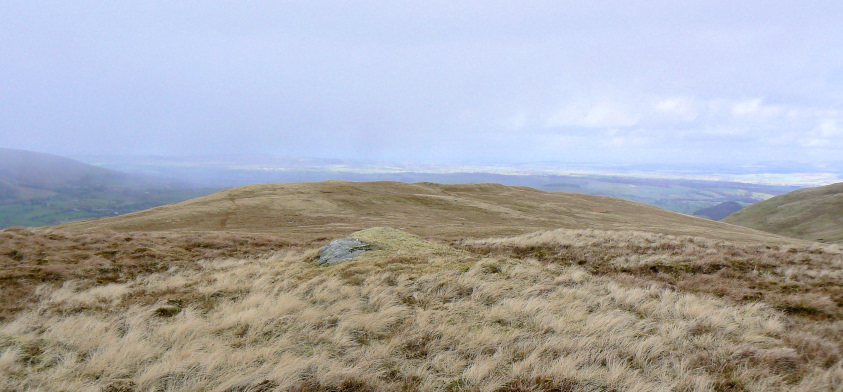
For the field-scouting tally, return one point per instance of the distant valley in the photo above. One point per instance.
(686, 191)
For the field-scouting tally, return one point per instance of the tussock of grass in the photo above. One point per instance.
(391, 240)
(805, 283)
(389, 321)
(391, 245)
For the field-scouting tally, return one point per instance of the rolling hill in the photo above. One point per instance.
(651, 185)
(34, 171)
(39, 189)
(331, 208)
(473, 287)
(814, 214)
(719, 211)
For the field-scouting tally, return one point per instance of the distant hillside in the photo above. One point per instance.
(685, 196)
(48, 173)
(814, 214)
(39, 189)
(325, 209)
(719, 211)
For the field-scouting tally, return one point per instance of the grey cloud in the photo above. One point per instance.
(432, 81)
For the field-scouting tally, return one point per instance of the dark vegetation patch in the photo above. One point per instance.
(541, 384)
(348, 385)
(744, 273)
(31, 257)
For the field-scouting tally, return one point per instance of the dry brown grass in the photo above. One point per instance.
(497, 315)
(805, 283)
(31, 257)
(337, 208)
(779, 275)
(626, 297)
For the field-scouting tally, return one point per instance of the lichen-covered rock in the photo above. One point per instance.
(342, 250)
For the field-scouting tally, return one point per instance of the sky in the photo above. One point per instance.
(664, 82)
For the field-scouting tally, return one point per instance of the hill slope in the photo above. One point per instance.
(814, 214)
(40, 189)
(719, 211)
(328, 209)
(46, 172)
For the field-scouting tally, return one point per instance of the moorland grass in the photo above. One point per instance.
(493, 315)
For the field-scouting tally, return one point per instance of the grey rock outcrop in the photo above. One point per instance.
(342, 250)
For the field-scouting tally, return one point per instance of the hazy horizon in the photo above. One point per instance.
(689, 83)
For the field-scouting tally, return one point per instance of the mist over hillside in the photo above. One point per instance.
(679, 188)
(39, 189)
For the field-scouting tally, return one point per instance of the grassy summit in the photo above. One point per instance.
(333, 208)
(487, 305)
(814, 214)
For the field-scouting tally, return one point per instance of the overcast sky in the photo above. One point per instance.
(431, 81)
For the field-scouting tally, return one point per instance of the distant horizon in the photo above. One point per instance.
(770, 172)
(837, 164)
(773, 173)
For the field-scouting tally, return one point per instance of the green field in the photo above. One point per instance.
(84, 204)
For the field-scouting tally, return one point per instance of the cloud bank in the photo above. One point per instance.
(427, 82)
